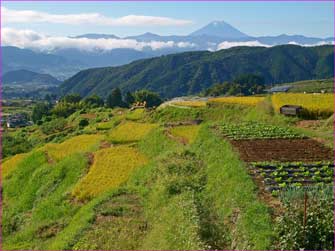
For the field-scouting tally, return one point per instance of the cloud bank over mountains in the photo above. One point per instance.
(34, 40)
(30, 16)
(30, 39)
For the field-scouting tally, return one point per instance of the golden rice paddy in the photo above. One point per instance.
(315, 104)
(238, 100)
(111, 167)
(81, 143)
(190, 103)
(130, 132)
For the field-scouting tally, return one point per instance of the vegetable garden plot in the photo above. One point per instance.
(277, 176)
(256, 130)
(282, 150)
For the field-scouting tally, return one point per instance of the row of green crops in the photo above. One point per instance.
(279, 176)
(256, 130)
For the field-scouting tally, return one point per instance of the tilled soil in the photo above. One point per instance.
(283, 150)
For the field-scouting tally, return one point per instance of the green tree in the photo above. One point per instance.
(249, 79)
(114, 99)
(129, 99)
(151, 98)
(94, 101)
(39, 111)
(71, 98)
(63, 109)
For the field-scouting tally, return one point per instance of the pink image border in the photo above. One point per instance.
(138, 2)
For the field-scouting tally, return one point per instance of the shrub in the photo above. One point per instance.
(54, 126)
(83, 122)
(318, 232)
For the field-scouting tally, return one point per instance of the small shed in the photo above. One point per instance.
(293, 110)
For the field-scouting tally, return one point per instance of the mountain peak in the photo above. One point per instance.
(219, 29)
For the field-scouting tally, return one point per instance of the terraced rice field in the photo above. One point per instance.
(9, 165)
(135, 115)
(111, 167)
(187, 133)
(190, 103)
(315, 105)
(130, 132)
(78, 144)
(252, 101)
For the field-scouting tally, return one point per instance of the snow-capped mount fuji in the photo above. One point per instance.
(220, 29)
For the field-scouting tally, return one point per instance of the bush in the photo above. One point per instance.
(54, 126)
(64, 109)
(83, 122)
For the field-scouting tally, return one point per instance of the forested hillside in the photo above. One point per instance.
(192, 72)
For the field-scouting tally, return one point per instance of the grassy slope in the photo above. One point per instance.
(231, 192)
(197, 196)
(36, 201)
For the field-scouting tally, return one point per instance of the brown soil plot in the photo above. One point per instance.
(283, 150)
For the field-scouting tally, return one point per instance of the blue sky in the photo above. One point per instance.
(253, 18)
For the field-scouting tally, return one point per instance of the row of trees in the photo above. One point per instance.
(73, 102)
(247, 84)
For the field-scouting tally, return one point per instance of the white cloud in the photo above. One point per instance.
(226, 44)
(316, 44)
(30, 16)
(33, 40)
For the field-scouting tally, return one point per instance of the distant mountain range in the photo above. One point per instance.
(25, 77)
(191, 72)
(14, 58)
(64, 62)
(28, 84)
